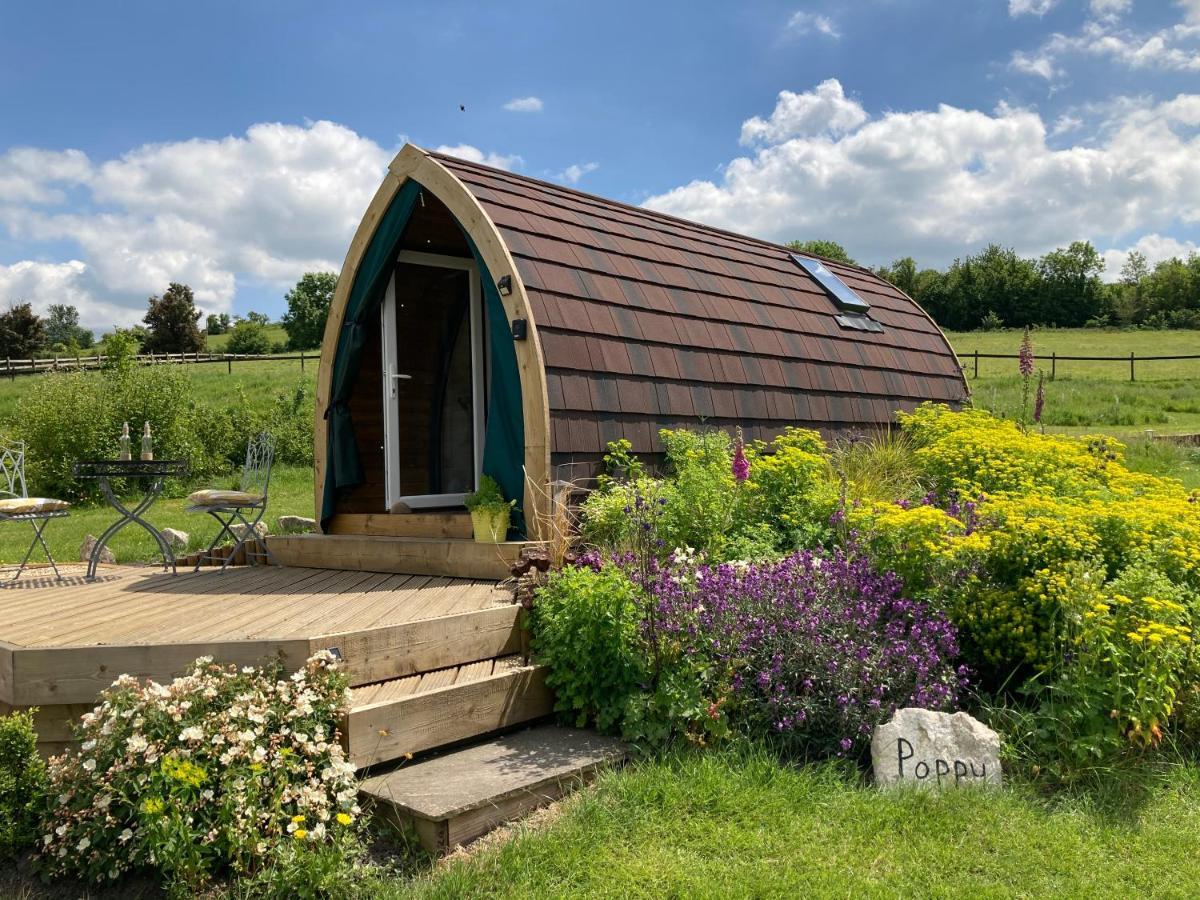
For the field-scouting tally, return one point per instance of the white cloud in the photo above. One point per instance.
(825, 109)
(1175, 47)
(524, 104)
(263, 207)
(938, 183)
(803, 22)
(1031, 7)
(30, 175)
(571, 174)
(475, 155)
(1155, 247)
(1109, 7)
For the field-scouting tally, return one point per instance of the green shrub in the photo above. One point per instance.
(584, 627)
(22, 783)
(250, 338)
(222, 773)
(69, 416)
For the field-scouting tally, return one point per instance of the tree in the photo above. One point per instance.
(308, 308)
(249, 337)
(902, 273)
(22, 332)
(62, 327)
(216, 324)
(828, 249)
(258, 318)
(172, 322)
(1071, 290)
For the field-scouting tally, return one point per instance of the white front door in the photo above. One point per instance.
(433, 381)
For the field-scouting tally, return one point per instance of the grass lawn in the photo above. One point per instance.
(738, 824)
(1093, 396)
(291, 494)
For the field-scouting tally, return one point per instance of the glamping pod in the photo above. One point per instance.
(486, 322)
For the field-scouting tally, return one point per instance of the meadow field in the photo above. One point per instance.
(275, 334)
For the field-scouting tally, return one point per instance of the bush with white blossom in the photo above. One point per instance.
(222, 773)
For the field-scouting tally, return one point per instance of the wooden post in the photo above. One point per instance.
(1131, 365)
(301, 360)
(1053, 365)
(976, 362)
(229, 363)
(8, 361)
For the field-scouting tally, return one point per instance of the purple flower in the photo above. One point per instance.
(741, 465)
(1025, 357)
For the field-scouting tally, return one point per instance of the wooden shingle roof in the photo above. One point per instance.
(647, 322)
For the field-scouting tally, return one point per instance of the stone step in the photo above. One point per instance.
(390, 719)
(462, 794)
(454, 557)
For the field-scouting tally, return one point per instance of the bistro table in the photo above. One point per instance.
(152, 473)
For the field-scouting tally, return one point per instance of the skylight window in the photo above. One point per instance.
(842, 295)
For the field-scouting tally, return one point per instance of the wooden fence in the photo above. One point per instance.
(15, 367)
(1132, 360)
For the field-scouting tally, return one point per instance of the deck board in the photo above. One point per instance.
(136, 607)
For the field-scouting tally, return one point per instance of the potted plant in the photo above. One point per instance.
(490, 512)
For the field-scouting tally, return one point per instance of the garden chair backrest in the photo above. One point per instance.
(256, 473)
(12, 469)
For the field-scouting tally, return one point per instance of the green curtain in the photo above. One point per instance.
(504, 442)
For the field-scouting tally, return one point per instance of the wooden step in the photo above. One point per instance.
(408, 555)
(463, 794)
(393, 718)
(423, 525)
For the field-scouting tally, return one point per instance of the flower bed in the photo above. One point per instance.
(1064, 582)
(223, 772)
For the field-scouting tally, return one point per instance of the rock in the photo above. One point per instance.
(238, 530)
(85, 551)
(934, 749)
(175, 538)
(296, 524)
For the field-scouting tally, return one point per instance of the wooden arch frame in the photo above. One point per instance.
(413, 162)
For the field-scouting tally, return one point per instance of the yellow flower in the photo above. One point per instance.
(344, 818)
(297, 819)
(299, 834)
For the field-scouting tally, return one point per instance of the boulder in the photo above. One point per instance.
(176, 539)
(89, 544)
(239, 530)
(934, 750)
(290, 524)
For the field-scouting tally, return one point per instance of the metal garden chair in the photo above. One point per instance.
(245, 506)
(17, 506)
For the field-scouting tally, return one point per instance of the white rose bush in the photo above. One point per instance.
(222, 773)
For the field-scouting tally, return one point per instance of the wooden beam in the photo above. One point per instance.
(428, 525)
(57, 675)
(377, 654)
(388, 730)
(415, 556)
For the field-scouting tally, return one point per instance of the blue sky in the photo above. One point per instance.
(234, 145)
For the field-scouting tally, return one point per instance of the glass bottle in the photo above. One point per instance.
(124, 443)
(147, 443)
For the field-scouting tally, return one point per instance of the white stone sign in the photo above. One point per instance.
(934, 749)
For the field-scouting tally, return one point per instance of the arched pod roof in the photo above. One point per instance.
(647, 322)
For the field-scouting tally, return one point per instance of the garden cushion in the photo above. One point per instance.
(23, 506)
(224, 498)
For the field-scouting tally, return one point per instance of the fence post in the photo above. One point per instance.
(1053, 365)
(8, 362)
(976, 362)
(229, 363)
(301, 360)
(1131, 365)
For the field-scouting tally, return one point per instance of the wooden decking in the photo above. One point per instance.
(63, 643)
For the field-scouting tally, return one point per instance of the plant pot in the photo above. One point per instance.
(491, 525)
